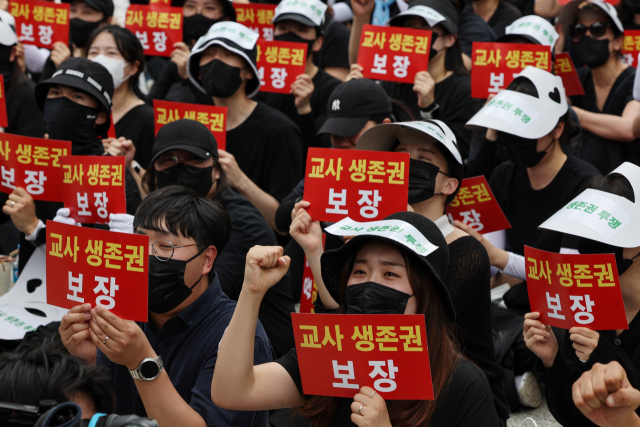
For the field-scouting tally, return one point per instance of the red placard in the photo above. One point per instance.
(575, 290)
(476, 206)
(214, 118)
(495, 65)
(157, 27)
(279, 63)
(565, 2)
(309, 286)
(4, 121)
(338, 354)
(257, 17)
(100, 267)
(395, 54)
(93, 187)
(361, 185)
(567, 71)
(631, 47)
(33, 164)
(41, 23)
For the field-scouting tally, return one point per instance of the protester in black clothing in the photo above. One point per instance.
(333, 56)
(74, 110)
(23, 115)
(582, 347)
(263, 159)
(497, 13)
(472, 28)
(306, 106)
(462, 394)
(173, 82)
(186, 153)
(120, 52)
(606, 111)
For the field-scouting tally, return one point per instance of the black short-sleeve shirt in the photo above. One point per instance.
(138, 126)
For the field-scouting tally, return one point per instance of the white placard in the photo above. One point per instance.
(597, 212)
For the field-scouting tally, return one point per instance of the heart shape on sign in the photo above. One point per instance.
(33, 284)
(555, 95)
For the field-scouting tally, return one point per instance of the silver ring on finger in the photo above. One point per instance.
(374, 392)
(361, 406)
(105, 340)
(12, 203)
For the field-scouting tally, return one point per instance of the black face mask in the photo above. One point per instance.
(373, 298)
(80, 30)
(432, 51)
(293, 37)
(195, 27)
(593, 247)
(523, 152)
(199, 181)
(69, 121)
(219, 79)
(167, 289)
(422, 180)
(6, 66)
(592, 52)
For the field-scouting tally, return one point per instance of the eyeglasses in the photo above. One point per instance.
(164, 164)
(163, 249)
(597, 29)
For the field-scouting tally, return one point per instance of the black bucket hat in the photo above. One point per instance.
(436, 262)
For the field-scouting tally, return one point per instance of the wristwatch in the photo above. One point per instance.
(148, 369)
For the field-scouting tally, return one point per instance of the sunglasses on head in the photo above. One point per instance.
(597, 29)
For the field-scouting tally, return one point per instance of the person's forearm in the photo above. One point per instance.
(636, 126)
(263, 201)
(138, 179)
(314, 263)
(163, 403)
(233, 379)
(608, 126)
(547, 8)
(354, 38)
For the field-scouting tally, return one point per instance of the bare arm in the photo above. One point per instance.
(608, 126)
(547, 8)
(636, 126)
(362, 11)
(339, 73)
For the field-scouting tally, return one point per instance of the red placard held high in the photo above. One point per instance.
(87, 265)
(495, 65)
(575, 290)
(338, 354)
(393, 53)
(214, 118)
(567, 71)
(157, 27)
(279, 63)
(33, 164)
(93, 187)
(361, 185)
(4, 121)
(631, 47)
(41, 23)
(476, 206)
(257, 17)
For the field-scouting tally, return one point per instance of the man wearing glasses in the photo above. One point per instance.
(163, 369)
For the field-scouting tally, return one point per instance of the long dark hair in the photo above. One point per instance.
(442, 353)
(129, 47)
(453, 59)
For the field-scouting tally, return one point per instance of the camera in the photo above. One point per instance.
(51, 414)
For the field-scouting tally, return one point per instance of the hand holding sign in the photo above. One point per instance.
(540, 339)
(75, 333)
(584, 341)
(369, 409)
(306, 232)
(22, 209)
(424, 86)
(264, 268)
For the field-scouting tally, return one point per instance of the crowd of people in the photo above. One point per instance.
(230, 232)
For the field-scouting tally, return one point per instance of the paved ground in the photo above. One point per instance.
(542, 417)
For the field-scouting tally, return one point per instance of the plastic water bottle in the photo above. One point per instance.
(15, 267)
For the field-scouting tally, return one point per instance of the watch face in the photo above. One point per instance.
(149, 369)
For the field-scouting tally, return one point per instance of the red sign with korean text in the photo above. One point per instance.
(93, 187)
(257, 17)
(495, 65)
(631, 47)
(393, 53)
(361, 185)
(100, 267)
(279, 63)
(338, 354)
(476, 206)
(565, 2)
(157, 27)
(4, 121)
(33, 164)
(567, 71)
(309, 286)
(41, 23)
(575, 290)
(214, 118)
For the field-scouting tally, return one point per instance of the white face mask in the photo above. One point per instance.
(115, 67)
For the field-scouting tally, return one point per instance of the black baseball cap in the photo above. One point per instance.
(352, 104)
(188, 135)
(104, 6)
(80, 73)
(436, 262)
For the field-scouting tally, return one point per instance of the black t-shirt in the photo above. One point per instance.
(605, 154)
(267, 147)
(171, 87)
(335, 47)
(249, 228)
(467, 402)
(526, 208)
(453, 95)
(472, 28)
(23, 114)
(138, 126)
(504, 16)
